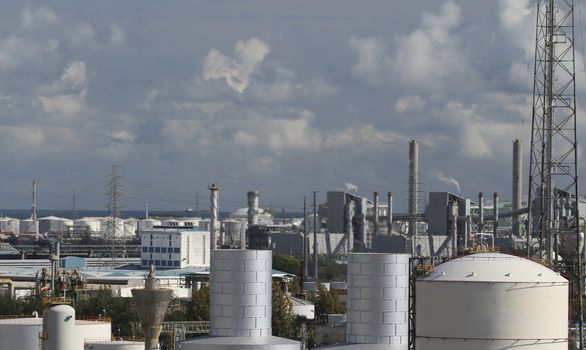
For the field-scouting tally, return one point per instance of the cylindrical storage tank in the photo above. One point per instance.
(53, 224)
(29, 225)
(491, 301)
(93, 224)
(20, 333)
(60, 328)
(378, 299)
(240, 293)
(10, 225)
(113, 345)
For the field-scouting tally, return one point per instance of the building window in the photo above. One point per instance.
(176, 263)
(163, 250)
(163, 262)
(151, 255)
(157, 262)
(169, 256)
(151, 249)
(144, 262)
(177, 250)
(145, 249)
(157, 249)
(150, 262)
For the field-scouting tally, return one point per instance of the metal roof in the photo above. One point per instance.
(494, 267)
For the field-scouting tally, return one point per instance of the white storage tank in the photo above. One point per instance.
(93, 224)
(378, 299)
(10, 225)
(29, 225)
(20, 333)
(54, 224)
(59, 330)
(492, 301)
(240, 304)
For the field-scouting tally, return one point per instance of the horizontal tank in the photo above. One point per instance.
(113, 345)
(492, 301)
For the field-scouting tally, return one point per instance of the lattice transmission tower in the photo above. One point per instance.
(114, 226)
(554, 220)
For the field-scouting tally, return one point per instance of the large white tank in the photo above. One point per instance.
(10, 225)
(113, 345)
(378, 299)
(240, 294)
(29, 225)
(59, 328)
(54, 224)
(94, 224)
(492, 301)
(20, 333)
(240, 304)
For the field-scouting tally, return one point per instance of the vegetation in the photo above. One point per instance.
(332, 270)
(199, 306)
(287, 263)
(326, 302)
(282, 317)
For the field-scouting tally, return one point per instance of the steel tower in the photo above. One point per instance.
(553, 172)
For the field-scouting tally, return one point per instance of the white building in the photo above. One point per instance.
(175, 248)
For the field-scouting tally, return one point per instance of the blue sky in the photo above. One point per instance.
(283, 97)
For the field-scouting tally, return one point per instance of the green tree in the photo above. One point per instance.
(287, 263)
(326, 302)
(282, 316)
(199, 306)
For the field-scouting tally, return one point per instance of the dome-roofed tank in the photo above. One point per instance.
(491, 301)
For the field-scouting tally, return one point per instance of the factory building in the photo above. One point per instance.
(174, 248)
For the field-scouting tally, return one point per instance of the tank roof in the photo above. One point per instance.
(493, 267)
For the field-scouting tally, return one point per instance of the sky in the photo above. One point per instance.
(283, 97)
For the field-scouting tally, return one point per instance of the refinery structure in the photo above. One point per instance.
(450, 273)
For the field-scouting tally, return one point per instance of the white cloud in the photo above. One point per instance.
(407, 103)
(373, 65)
(236, 72)
(16, 51)
(117, 36)
(73, 79)
(365, 136)
(36, 17)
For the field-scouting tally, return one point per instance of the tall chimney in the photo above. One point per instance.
(517, 182)
(495, 222)
(214, 214)
(480, 212)
(389, 213)
(252, 208)
(413, 189)
(375, 200)
(34, 206)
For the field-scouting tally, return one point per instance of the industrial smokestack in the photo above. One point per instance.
(214, 214)
(495, 222)
(480, 212)
(34, 206)
(252, 208)
(517, 182)
(375, 200)
(389, 213)
(413, 189)
(151, 306)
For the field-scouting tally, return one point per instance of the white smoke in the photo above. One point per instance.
(351, 188)
(448, 180)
